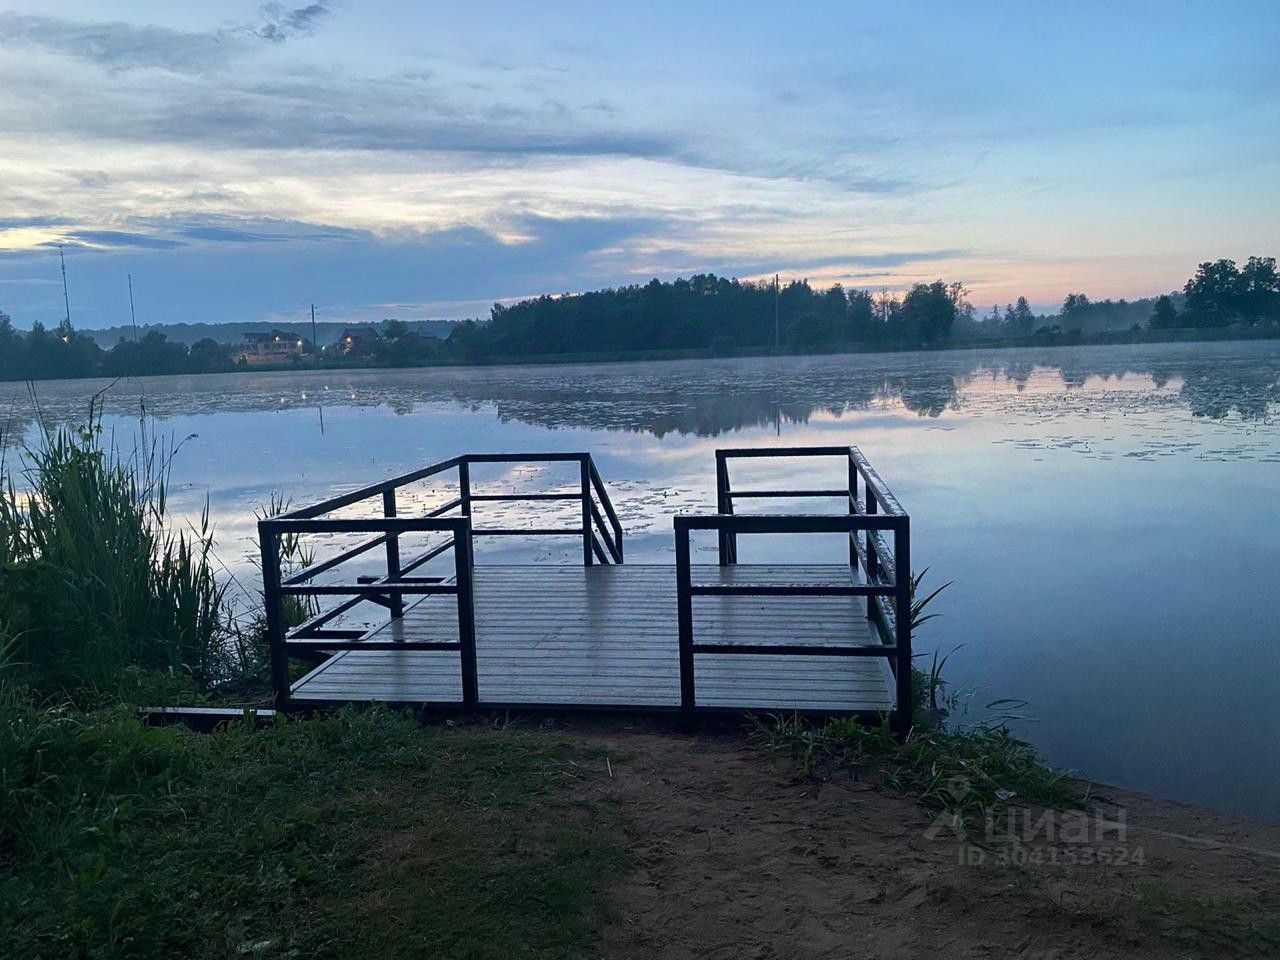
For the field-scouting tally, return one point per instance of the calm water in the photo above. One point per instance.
(1110, 516)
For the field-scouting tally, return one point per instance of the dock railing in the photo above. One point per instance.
(600, 533)
(880, 568)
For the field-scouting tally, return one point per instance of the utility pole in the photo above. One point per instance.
(133, 317)
(66, 299)
(315, 342)
(777, 329)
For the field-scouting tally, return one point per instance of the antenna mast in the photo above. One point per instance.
(132, 316)
(777, 329)
(315, 342)
(66, 299)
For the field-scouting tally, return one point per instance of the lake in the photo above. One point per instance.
(1110, 516)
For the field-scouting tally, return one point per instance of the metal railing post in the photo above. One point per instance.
(463, 562)
(853, 509)
(273, 602)
(464, 487)
(684, 607)
(728, 541)
(902, 622)
(393, 552)
(873, 559)
(584, 465)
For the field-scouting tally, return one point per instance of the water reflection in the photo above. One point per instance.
(710, 398)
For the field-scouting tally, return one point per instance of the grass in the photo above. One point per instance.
(1132, 911)
(1213, 926)
(966, 771)
(354, 833)
(96, 586)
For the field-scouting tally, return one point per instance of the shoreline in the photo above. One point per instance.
(1185, 335)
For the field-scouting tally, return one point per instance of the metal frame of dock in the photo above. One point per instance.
(726, 636)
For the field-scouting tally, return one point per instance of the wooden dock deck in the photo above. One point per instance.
(562, 636)
(822, 638)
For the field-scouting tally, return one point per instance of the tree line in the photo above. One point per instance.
(723, 315)
(716, 313)
(704, 312)
(65, 353)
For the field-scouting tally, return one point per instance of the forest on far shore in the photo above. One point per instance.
(717, 315)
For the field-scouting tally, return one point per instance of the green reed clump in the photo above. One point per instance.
(95, 585)
(964, 770)
(961, 769)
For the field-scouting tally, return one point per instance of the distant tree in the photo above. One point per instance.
(959, 295)
(394, 329)
(823, 322)
(1075, 311)
(1023, 320)
(208, 356)
(1260, 290)
(807, 331)
(1215, 295)
(929, 310)
(888, 309)
(12, 349)
(154, 354)
(833, 306)
(42, 359)
(1165, 315)
(464, 340)
(861, 315)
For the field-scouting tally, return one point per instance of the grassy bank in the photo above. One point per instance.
(967, 771)
(352, 834)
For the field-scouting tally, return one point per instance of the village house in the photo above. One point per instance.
(356, 340)
(276, 346)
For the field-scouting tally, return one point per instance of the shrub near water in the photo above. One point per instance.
(93, 584)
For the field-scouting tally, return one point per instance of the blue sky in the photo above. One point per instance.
(424, 160)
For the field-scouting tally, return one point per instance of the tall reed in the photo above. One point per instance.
(94, 578)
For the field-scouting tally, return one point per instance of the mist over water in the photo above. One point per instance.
(1110, 515)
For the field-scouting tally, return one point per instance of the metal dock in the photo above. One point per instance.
(726, 636)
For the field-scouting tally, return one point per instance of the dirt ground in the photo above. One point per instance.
(737, 856)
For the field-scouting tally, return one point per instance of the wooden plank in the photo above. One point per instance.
(606, 635)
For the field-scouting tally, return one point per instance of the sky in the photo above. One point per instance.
(241, 161)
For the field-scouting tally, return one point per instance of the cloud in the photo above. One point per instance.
(848, 266)
(227, 235)
(279, 23)
(167, 233)
(218, 89)
(15, 223)
(351, 275)
(119, 46)
(230, 230)
(201, 99)
(116, 239)
(893, 259)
